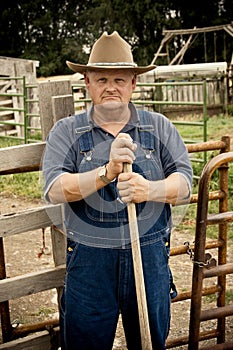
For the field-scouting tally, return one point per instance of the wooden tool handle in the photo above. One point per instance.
(138, 273)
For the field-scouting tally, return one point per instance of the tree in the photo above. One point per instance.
(11, 40)
(48, 31)
(54, 31)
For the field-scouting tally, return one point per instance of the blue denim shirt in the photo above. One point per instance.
(101, 219)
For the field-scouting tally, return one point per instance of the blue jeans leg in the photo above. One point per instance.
(90, 312)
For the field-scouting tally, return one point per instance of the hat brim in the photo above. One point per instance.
(81, 68)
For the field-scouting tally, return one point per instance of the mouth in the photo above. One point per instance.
(111, 97)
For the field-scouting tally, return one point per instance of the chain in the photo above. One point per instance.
(209, 260)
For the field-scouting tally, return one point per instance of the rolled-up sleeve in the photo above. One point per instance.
(59, 156)
(173, 152)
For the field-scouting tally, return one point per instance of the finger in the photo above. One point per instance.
(124, 136)
(123, 155)
(125, 192)
(126, 198)
(124, 177)
(122, 186)
(125, 143)
(124, 140)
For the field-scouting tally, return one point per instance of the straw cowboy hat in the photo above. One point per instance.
(110, 52)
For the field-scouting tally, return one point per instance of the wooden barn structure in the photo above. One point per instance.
(56, 101)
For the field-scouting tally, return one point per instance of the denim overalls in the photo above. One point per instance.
(100, 279)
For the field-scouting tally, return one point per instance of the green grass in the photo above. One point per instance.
(212, 298)
(4, 142)
(45, 312)
(217, 126)
(23, 184)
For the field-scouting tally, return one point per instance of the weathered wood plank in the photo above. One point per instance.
(31, 219)
(37, 341)
(31, 283)
(59, 246)
(21, 158)
(59, 252)
(62, 106)
(46, 91)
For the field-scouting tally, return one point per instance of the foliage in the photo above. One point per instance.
(54, 31)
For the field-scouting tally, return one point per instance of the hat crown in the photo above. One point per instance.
(111, 49)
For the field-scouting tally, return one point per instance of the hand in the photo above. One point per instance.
(133, 187)
(122, 151)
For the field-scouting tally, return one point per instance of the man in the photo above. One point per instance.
(83, 168)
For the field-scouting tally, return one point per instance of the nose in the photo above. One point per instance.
(110, 86)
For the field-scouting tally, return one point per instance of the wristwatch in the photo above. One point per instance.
(102, 175)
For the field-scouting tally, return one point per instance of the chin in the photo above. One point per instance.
(115, 105)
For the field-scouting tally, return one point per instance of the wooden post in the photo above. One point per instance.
(4, 306)
(46, 91)
(62, 106)
(59, 250)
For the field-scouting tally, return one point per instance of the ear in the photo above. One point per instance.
(86, 79)
(134, 81)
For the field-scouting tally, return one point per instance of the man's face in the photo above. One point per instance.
(110, 85)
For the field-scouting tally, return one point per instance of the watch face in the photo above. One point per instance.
(102, 175)
(102, 171)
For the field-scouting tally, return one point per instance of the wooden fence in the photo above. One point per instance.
(27, 158)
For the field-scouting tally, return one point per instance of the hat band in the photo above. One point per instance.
(103, 64)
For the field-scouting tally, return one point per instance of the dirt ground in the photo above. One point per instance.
(21, 256)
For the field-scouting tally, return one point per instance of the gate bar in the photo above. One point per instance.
(220, 161)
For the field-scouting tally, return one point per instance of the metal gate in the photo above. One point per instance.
(204, 265)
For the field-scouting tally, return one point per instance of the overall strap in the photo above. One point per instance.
(83, 131)
(146, 130)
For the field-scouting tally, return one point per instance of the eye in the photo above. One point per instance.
(102, 80)
(120, 81)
